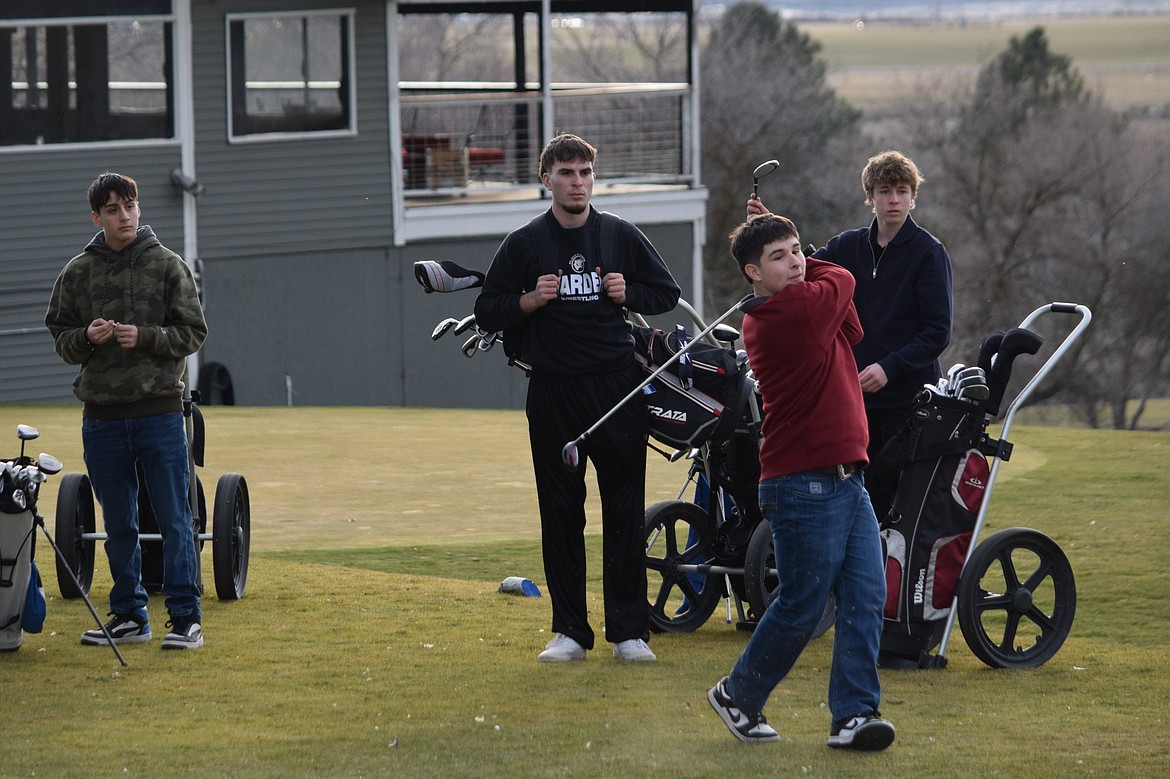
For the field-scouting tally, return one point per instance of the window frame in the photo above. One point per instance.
(169, 39)
(350, 64)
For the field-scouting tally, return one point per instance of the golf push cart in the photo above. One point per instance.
(230, 534)
(1013, 594)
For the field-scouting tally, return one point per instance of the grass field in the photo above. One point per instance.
(1126, 59)
(372, 641)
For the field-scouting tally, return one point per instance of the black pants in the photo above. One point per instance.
(559, 409)
(882, 475)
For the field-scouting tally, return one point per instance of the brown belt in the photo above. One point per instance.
(843, 471)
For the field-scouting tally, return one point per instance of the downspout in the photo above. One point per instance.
(185, 133)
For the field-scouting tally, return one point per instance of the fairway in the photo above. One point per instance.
(1127, 59)
(372, 641)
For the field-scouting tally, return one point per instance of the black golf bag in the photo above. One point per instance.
(700, 397)
(942, 453)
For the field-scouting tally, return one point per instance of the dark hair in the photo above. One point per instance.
(565, 147)
(107, 183)
(749, 239)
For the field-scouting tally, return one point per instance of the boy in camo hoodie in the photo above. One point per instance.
(126, 310)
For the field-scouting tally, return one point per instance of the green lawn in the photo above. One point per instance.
(372, 641)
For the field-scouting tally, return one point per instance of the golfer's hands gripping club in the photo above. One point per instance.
(755, 206)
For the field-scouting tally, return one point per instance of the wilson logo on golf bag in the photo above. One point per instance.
(701, 397)
(944, 476)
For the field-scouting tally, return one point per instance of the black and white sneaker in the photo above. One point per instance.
(132, 628)
(186, 633)
(867, 732)
(745, 727)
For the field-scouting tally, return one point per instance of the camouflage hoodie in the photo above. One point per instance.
(147, 285)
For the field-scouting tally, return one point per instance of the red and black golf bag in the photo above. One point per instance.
(942, 452)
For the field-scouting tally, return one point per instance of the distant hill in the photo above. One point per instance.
(953, 9)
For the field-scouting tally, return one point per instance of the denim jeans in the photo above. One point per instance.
(826, 539)
(112, 448)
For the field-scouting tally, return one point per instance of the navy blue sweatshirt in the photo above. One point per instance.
(904, 302)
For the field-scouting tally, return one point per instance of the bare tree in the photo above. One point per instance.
(764, 95)
(1045, 196)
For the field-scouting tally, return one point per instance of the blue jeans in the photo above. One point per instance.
(112, 448)
(826, 539)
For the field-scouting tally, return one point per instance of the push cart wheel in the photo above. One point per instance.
(230, 536)
(762, 583)
(75, 519)
(677, 533)
(1017, 599)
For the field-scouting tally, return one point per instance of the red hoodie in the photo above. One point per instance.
(799, 344)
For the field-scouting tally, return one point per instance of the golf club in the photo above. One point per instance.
(471, 346)
(443, 327)
(570, 454)
(763, 169)
(465, 324)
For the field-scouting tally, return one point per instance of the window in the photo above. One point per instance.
(73, 83)
(290, 73)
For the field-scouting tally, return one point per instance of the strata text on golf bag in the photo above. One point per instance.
(942, 450)
(700, 397)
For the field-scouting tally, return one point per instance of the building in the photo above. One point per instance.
(302, 154)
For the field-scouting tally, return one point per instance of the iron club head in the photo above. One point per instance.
(443, 327)
(465, 324)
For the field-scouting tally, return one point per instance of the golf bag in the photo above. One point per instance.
(16, 551)
(700, 397)
(942, 452)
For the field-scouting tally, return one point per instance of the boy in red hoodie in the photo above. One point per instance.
(799, 331)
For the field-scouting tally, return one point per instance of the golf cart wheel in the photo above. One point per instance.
(762, 583)
(677, 533)
(75, 518)
(231, 536)
(1017, 599)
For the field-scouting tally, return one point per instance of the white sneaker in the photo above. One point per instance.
(561, 650)
(634, 650)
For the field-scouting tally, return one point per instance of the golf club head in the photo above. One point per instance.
(571, 455)
(487, 341)
(441, 328)
(471, 346)
(465, 324)
(48, 464)
(763, 169)
(975, 392)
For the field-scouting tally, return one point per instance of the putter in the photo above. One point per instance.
(571, 455)
(763, 169)
(441, 328)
